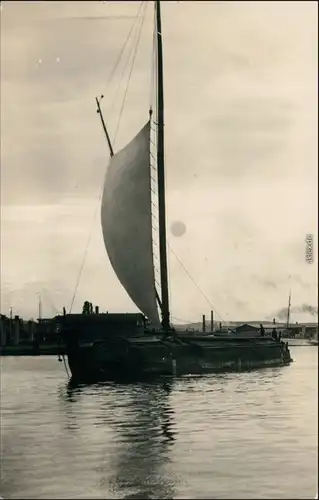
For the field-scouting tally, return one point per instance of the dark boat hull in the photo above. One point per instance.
(141, 357)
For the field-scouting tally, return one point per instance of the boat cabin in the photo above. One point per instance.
(247, 330)
(97, 326)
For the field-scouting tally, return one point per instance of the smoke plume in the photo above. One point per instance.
(304, 308)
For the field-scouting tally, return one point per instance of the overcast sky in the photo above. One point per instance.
(241, 151)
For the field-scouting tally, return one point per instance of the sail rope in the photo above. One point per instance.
(101, 190)
(194, 282)
(144, 3)
(130, 74)
(126, 61)
(153, 63)
(117, 62)
(183, 320)
(153, 156)
(154, 168)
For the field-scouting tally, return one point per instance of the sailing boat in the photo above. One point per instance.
(103, 346)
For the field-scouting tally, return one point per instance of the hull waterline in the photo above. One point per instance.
(148, 357)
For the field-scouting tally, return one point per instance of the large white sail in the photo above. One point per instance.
(127, 222)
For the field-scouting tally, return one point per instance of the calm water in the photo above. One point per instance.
(252, 435)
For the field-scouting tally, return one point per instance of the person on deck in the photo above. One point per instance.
(262, 330)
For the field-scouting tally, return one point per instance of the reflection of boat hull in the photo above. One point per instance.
(156, 355)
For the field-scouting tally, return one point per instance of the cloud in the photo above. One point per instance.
(241, 146)
(236, 92)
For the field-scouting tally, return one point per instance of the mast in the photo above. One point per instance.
(10, 323)
(161, 172)
(288, 311)
(40, 309)
(99, 111)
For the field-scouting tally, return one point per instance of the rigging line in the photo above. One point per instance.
(188, 322)
(130, 74)
(194, 282)
(83, 262)
(126, 63)
(168, 257)
(86, 248)
(101, 191)
(153, 61)
(124, 45)
(153, 148)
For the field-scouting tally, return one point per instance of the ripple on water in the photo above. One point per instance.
(248, 435)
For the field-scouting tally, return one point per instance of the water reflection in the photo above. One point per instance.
(67, 397)
(108, 441)
(139, 422)
(146, 436)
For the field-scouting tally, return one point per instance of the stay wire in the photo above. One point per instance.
(126, 62)
(130, 74)
(117, 62)
(153, 60)
(101, 191)
(194, 282)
